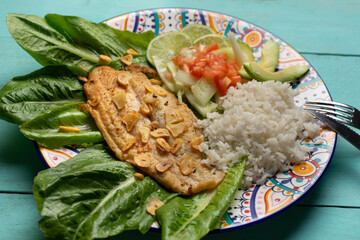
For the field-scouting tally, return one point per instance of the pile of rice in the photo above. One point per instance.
(260, 120)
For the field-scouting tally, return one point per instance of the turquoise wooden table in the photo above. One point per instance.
(325, 32)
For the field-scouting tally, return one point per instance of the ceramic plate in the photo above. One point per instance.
(279, 192)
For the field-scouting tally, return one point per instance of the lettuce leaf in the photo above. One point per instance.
(73, 41)
(94, 195)
(192, 218)
(44, 129)
(26, 97)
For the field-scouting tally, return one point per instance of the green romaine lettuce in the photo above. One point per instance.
(93, 195)
(54, 40)
(26, 97)
(193, 217)
(44, 129)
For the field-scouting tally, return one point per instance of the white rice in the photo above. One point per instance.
(260, 120)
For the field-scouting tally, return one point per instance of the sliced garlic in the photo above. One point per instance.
(162, 145)
(132, 51)
(119, 99)
(104, 58)
(130, 120)
(124, 78)
(143, 160)
(195, 143)
(146, 109)
(176, 129)
(129, 142)
(69, 129)
(160, 132)
(164, 165)
(128, 59)
(144, 132)
(153, 204)
(187, 165)
(177, 144)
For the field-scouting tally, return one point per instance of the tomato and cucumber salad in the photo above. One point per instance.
(201, 65)
(215, 67)
(196, 63)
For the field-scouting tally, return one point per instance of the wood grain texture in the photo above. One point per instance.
(19, 217)
(326, 32)
(323, 26)
(19, 162)
(298, 221)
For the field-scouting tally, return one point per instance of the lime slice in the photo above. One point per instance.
(197, 30)
(167, 46)
(211, 38)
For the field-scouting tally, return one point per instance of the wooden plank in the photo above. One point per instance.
(19, 162)
(298, 223)
(340, 74)
(21, 216)
(307, 26)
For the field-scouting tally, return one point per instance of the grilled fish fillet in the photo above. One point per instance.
(145, 125)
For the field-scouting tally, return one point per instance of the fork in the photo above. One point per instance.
(341, 112)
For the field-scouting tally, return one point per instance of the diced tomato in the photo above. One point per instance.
(214, 67)
(197, 71)
(222, 85)
(201, 64)
(235, 80)
(223, 56)
(179, 60)
(218, 67)
(232, 72)
(200, 48)
(208, 73)
(232, 61)
(211, 47)
(186, 68)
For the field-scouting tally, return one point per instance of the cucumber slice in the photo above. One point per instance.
(288, 74)
(161, 68)
(202, 109)
(203, 91)
(184, 78)
(172, 68)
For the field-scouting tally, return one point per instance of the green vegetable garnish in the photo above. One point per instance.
(44, 129)
(26, 97)
(54, 40)
(94, 195)
(192, 218)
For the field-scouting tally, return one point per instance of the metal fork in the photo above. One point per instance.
(342, 112)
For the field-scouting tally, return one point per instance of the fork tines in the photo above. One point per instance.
(339, 111)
